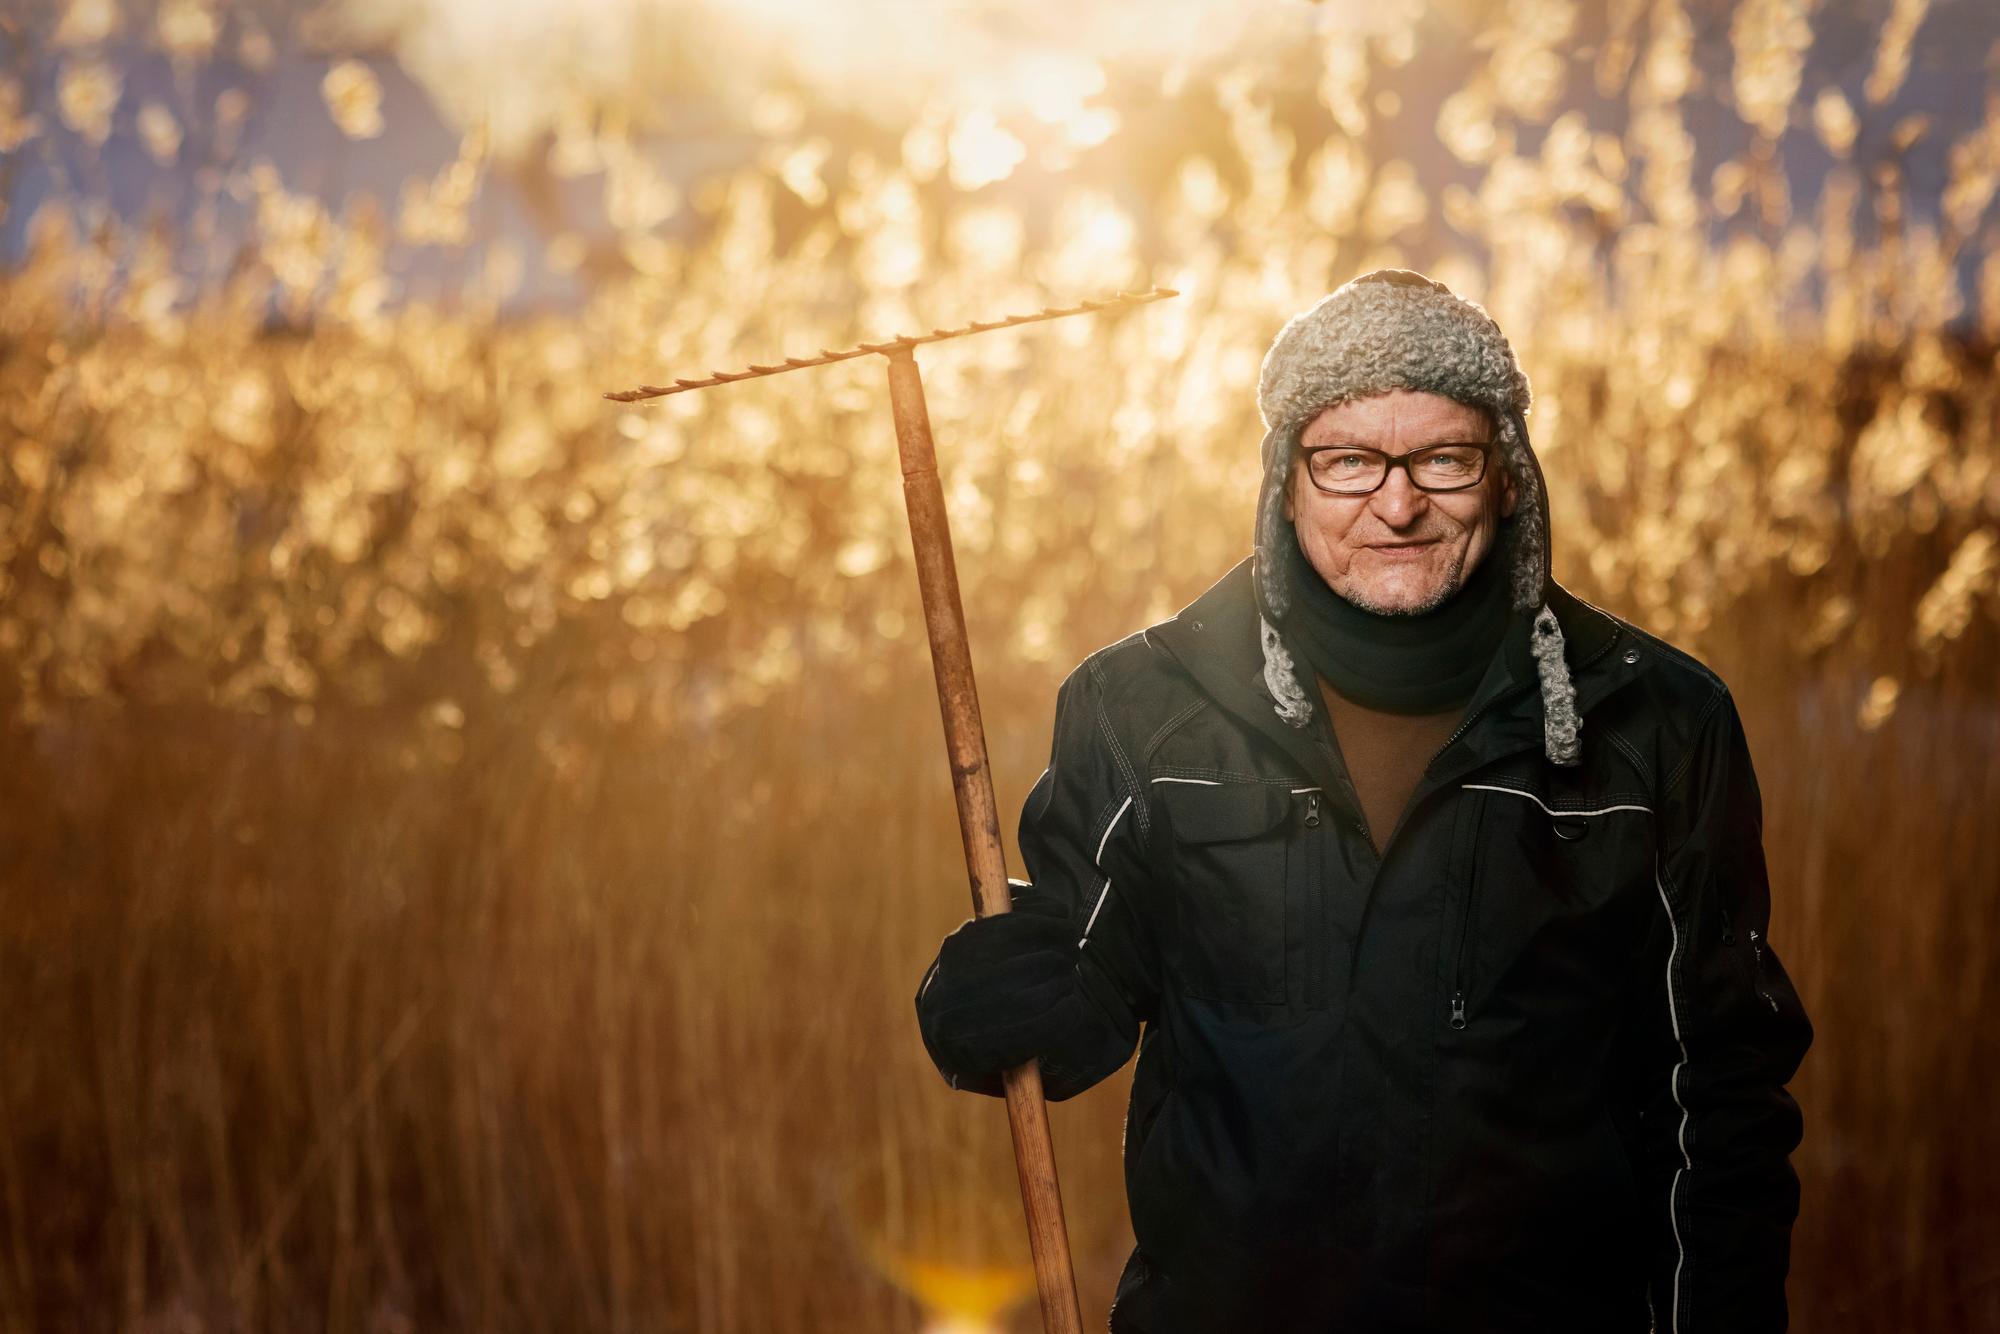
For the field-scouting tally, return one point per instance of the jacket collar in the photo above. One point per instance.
(1215, 639)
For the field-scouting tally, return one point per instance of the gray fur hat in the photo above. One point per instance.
(1396, 329)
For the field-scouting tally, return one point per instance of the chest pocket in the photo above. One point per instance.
(1552, 887)
(1232, 869)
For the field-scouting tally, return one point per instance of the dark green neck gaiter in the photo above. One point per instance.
(1400, 664)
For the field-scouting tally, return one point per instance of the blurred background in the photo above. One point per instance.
(468, 848)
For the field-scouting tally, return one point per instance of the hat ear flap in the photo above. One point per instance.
(1560, 720)
(1527, 531)
(1273, 587)
(1281, 677)
(1271, 578)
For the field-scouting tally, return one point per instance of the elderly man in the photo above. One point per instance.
(1439, 894)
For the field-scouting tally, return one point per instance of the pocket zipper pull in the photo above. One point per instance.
(1458, 1009)
(1312, 810)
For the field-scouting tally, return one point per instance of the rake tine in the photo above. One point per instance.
(901, 342)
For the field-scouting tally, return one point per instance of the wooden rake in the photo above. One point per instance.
(965, 736)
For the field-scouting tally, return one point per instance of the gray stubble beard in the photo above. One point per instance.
(1447, 590)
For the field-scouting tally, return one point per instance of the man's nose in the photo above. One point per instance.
(1398, 501)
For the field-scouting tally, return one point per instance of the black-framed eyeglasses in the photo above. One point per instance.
(1356, 470)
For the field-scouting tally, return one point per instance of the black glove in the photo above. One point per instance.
(1002, 989)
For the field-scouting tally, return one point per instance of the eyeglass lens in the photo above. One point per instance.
(1357, 471)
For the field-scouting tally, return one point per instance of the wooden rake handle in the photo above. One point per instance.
(979, 822)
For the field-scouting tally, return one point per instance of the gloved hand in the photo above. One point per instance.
(1002, 989)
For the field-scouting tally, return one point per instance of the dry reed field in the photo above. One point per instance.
(468, 848)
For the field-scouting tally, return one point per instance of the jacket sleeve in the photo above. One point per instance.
(1083, 837)
(1721, 1031)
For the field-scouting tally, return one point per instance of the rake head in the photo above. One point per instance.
(901, 342)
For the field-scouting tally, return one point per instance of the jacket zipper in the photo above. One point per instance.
(1457, 1019)
(1315, 907)
(1465, 915)
(1328, 744)
(1757, 948)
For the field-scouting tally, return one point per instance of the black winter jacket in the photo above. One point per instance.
(1523, 1071)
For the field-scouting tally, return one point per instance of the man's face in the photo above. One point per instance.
(1400, 551)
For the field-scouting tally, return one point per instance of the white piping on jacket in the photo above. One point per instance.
(1099, 859)
(1674, 1085)
(1517, 792)
(1210, 782)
